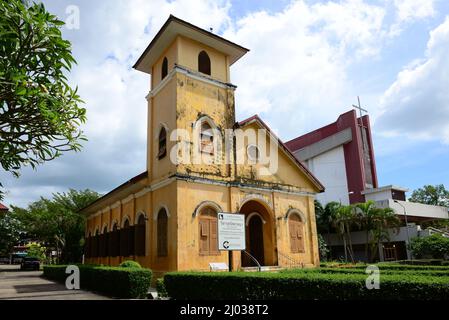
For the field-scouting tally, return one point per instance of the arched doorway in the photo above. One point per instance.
(260, 234)
(255, 237)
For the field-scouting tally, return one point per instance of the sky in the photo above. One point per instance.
(308, 62)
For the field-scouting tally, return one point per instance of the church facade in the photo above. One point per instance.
(201, 161)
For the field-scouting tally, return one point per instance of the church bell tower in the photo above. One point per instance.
(191, 101)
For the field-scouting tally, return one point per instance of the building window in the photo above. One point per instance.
(204, 63)
(296, 229)
(140, 236)
(96, 245)
(253, 152)
(162, 233)
(206, 138)
(114, 241)
(88, 249)
(164, 70)
(162, 143)
(208, 235)
(124, 239)
(104, 242)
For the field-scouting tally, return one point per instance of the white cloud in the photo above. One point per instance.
(296, 75)
(414, 9)
(417, 103)
(299, 58)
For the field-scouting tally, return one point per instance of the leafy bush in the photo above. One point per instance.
(323, 248)
(435, 246)
(113, 281)
(302, 286)
(130, 264)
(383, 271)
(160, 287)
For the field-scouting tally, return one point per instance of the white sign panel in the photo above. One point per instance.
(231, 231)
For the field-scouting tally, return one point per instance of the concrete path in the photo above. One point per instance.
(29, 285)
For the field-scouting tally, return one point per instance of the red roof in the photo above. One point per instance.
(284, 147)
(3, 207)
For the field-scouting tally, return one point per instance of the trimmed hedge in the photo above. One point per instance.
(383, 271)
(390, 266)
(301, 286)
(113, 281)
(130, 264)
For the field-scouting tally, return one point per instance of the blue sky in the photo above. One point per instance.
(309, 61)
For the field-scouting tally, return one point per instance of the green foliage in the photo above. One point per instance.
(126, 283)
(435, 246)
(434, 195)
(160, 287)
(343, 219)
(302, 285)
(130, 264)
(36, 250)
(322, 247)
(57, 222)
(9, 231)
(40, 116)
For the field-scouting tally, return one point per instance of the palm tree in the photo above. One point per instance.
(384, 219)
(325, 217)
(367, 213)
(344, 218)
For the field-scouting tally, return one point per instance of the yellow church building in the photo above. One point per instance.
(200, 161)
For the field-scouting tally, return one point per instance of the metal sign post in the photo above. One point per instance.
(231, 233)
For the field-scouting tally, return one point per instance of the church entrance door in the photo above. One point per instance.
(255, 238)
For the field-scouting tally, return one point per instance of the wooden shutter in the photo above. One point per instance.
(87, 247)
(213, 244)
(124, 242)
(162, 230)
(140, 239)
(204, 236)
(131, 247)
(300, 236)
(293, 236)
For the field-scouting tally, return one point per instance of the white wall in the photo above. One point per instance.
(329, 168)
(379, 196)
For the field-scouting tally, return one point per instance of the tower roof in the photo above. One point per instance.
(174, 27)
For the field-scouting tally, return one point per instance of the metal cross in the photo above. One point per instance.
(359, 107)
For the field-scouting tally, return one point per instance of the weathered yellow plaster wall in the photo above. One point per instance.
(189, 50)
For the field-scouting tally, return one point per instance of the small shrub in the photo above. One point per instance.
(117, 282)
(130, 264)
(160, 287)
(435, 246)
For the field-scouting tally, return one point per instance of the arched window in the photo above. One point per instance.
(114, 241)
(206, 138)
(162, 143)
(104, 242)
(204, 63)
(96, 244)
(253, 152)
(140, 236)
(296, 229)
(162, 233)
(124, 239)
(208, 234)
(88, 249)
(164, 70)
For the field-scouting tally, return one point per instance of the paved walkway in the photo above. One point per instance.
(29, 285)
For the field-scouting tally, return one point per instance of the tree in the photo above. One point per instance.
(385, 219)
(367, 215)
(435, 246)
(10, 231)
(434, 195)
(40, 114)
(57, 222)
